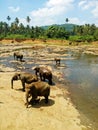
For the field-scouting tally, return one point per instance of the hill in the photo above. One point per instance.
(68, 27)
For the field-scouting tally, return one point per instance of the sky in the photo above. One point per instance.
(48, 12)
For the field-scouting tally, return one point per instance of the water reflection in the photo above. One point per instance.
(84, 85)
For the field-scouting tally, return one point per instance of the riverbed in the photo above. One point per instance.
(78, 69)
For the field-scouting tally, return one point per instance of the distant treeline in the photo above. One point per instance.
(16, 30)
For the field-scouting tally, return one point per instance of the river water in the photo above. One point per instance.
(82, 73)
(83, 76)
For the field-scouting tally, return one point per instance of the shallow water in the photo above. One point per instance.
(83, 75)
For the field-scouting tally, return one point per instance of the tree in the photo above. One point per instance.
(55, 31)
(8, 18)
(67, 20)
(21, 28)
(16, 21)
(28, 19)
(96, 34)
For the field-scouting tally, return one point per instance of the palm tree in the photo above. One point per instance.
(67, 20)
(8, 18)
(28, 19)
(16, 21)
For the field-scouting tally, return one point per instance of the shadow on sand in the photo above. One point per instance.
(41, 103)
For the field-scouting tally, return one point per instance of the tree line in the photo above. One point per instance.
(17, 30)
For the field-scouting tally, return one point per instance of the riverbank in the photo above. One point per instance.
(88, 48)
(59, 114)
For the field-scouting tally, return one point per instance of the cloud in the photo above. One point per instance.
(51, 12)
(95, 11)
(85, 4)
(92, 6)
(81, 3)
(13, 9)
(77, 21)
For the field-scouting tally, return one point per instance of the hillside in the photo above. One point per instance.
(68, 27)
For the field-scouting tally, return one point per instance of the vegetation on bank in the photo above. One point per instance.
(74, 33)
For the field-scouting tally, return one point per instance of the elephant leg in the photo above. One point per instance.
(41, 77)
(46, 99)
(20, 58)
(50, 82)
(34, 100)
(23, 85)
(44, 77)
(27, 96)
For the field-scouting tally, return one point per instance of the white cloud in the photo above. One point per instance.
(14, 9)
(60, 3)
(88, 4)
(51, 12)
(77, 21)
(92, 6)
(85, 4)
(81, 3)
(95, 11)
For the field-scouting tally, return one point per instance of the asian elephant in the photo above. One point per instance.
(18, 55)
(58, 60)
(44, 73)
(36, 89)
(25, 78)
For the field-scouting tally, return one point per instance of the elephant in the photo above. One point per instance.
(70, 43)
(58, 60)
(25, 78)
(44, 73)
(36, 89)
(18, 55)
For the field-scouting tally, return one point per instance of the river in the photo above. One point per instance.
(82, 73)
(83, 76)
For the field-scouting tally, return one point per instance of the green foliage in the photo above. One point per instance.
(96, 34)
(56, 32)
(15, 36)
(77, 33)
(86, 38)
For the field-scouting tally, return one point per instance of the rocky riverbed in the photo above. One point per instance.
(60, 113)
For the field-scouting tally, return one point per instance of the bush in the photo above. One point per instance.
(15, 36)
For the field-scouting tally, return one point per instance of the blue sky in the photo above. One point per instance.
(48, 12)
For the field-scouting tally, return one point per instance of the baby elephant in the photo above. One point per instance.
(25, 78)
(57, 61)
(36, 89)
(17, 56)
(44, 73)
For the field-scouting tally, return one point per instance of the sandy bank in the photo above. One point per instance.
(59, 114)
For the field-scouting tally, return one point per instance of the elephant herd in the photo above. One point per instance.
(34, 85)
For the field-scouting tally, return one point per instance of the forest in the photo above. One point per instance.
(72, 32)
